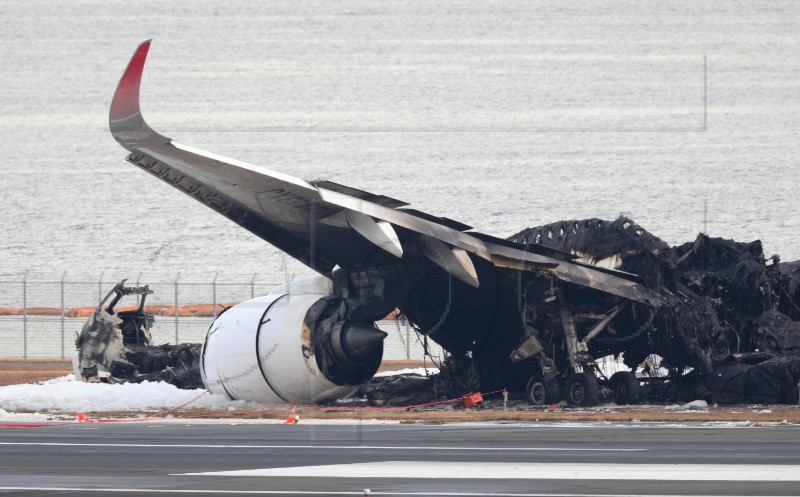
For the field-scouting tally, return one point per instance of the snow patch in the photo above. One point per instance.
(66, 394)
(419, 371)
(696, 405)
(14, 416)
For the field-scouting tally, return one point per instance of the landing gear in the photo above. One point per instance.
(625, 388)
(541, 392)
(583, 389)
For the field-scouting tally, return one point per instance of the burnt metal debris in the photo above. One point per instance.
(727, 331)
(116, 346)
(729, 300)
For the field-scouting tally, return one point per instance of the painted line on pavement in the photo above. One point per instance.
(530, 471)
(318, 447)
(328, 492)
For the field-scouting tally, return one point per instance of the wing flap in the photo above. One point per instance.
(577, 274)
(413, 223)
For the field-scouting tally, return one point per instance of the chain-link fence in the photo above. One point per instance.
(41, 318)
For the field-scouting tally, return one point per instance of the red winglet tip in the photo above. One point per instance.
(126, 98)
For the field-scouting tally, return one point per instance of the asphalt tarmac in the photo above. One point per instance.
(543, 459)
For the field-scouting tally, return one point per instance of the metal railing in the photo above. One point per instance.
(40, 318)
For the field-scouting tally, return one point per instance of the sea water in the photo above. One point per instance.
(503, 115)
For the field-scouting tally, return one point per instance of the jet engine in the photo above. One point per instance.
(293, 345)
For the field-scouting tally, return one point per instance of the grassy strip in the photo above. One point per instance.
(777, 414)
(20, 376)
(22, 363)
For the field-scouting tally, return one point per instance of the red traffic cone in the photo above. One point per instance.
(83, 418)
(293, 417)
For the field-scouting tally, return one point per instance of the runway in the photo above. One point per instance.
(542, 459)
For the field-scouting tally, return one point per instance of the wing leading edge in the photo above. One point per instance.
(324, 224)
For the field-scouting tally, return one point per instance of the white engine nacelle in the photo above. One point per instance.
(264, 349)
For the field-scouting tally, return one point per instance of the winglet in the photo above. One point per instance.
(125, 117)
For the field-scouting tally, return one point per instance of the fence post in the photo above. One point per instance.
(214, 293)
(408, 341)
(100, 288)
(63, 278)
(253, 286)
(25, 315)
(138, 297)
(176, 307)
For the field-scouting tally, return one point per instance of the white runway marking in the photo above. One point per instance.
(321, 447)
(531, 471)
(314, 492)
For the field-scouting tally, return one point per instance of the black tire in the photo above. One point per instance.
(583, 390)
(625, 388)
(541, 393)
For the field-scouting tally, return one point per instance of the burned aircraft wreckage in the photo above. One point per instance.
(731, 329)
(116, 344)
(529, 314)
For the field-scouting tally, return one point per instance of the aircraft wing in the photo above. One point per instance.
(324, 224)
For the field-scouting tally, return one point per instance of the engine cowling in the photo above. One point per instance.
(290, 346)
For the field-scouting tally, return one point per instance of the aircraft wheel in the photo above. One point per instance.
(625, 388)
(583, 390)
(541, 392)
